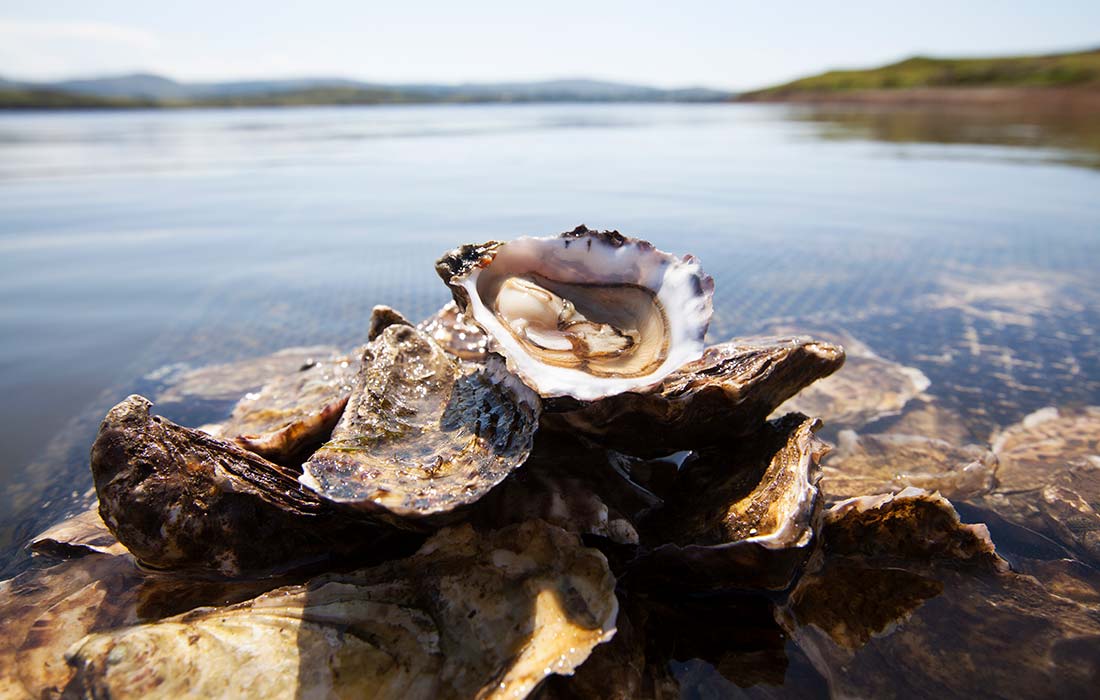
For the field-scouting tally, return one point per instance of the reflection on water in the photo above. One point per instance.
(1070, 137)
(958, 250)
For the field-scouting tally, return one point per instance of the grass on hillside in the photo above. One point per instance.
(1056, 70)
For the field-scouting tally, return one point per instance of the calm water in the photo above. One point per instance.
(134, 241)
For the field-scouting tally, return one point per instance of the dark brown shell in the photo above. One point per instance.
(739, 517)
(725, 394)
(181, 499)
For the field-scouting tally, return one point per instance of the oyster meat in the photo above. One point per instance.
(423, 435)
(586, 314)
(469, 615)
(181, 499)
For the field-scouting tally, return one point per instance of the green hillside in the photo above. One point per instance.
(1055, 70)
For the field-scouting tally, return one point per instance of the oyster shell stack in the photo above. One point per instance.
(551, 485)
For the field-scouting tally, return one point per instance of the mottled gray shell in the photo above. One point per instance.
(422, 434)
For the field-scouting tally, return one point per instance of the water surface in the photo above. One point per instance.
(136, 243)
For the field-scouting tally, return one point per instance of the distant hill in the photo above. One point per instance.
(1065, 70)
(148, 90)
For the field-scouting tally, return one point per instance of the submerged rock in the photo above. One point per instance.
(1049, 477)
(863, 464)
(469, 615)
(910, 602)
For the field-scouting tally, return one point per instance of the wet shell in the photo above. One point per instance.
(739, 517)
(726, 393)
(180, 499)
(456, 333)
(469, 615)
(293, 412)
(587, 314)
(864, 464)
(423, 435)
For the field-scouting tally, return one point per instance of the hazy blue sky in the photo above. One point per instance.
(722, 44)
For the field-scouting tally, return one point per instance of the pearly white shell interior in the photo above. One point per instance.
(679, 286)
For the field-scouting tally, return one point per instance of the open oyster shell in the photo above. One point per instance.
(469, 615)
(587, 314)
(422, 434)
(740, 517)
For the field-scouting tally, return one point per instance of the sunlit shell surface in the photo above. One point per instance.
(293, 411)
(741, 516)
(180, 499)
(587, 314)
(423, 435)
(456, 333)
(726, 393)
(84, 533)
(469, 615)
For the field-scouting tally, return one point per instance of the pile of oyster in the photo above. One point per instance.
(550, 486)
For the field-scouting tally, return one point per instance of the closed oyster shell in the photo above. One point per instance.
(577, 487)
(587, 314)
(469, 615)
(423, 435)
(293, 412)
(181, 499)
(726, 393)
(741, 516)
(46, 610)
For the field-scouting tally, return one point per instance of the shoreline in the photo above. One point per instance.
(1046, 99)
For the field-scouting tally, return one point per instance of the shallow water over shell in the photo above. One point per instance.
(970, 260)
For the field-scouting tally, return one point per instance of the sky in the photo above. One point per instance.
(736, 44)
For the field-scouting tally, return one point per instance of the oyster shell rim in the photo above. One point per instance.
(460, 267)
